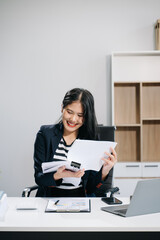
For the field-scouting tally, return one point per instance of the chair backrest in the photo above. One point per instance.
(106, 133)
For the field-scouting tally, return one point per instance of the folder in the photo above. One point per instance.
(67, 205)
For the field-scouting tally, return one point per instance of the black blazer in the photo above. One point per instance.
(46, 143)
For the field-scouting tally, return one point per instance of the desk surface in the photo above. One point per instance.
(97, 220)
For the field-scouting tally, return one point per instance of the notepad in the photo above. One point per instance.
(68, 205)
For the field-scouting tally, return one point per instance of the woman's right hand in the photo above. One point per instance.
(63, 173)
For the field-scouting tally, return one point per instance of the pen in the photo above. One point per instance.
(56, 202)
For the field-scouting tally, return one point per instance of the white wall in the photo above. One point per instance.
(48, 47)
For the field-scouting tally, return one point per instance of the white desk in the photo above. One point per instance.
(96, 221)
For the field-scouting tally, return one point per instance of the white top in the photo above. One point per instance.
(97, 220)
(61, 155)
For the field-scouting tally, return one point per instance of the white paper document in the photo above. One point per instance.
(89, 153)
(86, 152)
(53, 166)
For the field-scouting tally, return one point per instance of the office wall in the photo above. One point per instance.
(48, 47)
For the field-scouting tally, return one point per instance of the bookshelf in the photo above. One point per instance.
(136, 113)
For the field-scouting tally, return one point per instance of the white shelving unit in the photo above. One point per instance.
(136, 115)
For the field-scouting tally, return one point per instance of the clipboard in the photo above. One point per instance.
(68, 205)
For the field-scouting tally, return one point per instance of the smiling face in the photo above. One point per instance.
(72, 117)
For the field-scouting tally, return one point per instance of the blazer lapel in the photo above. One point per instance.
(57, 135)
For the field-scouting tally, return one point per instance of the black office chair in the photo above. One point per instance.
(105, 133)
(27, 191)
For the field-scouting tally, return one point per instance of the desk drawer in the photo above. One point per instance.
(127, 170)
(151, 169)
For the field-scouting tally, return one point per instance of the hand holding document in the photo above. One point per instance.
(87, 153)
(53, 166)
(72, 166)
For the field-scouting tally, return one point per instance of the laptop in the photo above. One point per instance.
(145, 200)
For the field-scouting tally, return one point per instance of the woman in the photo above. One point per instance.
(54, 141)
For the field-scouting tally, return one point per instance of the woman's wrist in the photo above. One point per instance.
(56, 176)
(104, 176)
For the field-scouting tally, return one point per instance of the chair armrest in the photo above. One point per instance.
(26, 192)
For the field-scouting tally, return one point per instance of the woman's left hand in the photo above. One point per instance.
(108, 162)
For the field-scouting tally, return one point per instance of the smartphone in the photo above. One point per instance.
(111, 200)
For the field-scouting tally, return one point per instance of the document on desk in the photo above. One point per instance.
(68, 205)
(89, 153)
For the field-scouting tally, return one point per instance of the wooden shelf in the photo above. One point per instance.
(139, 53)
(129, 125)
(151, 140)
(150, 119)
(128, 147)
(151, 100)
(127, 103)
(136, 105)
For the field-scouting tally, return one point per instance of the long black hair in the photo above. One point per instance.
(89, 128)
